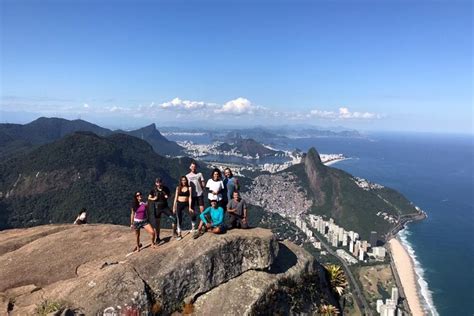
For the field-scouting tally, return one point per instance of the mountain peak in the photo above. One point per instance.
(313, 155)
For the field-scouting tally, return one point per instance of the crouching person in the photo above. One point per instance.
(212, 219)
(237, 210)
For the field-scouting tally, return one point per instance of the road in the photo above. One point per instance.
(357, 293)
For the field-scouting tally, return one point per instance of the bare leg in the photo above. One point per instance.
(150, 231)
(137, 235)
(157, 230)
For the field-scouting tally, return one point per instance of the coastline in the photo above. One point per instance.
(405, 269)
(331, 162)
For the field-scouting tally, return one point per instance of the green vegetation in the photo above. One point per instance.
(46, 307)
(54, 181)
(336, 195)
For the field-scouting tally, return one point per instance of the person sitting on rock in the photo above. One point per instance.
(139, 219)
(81, 217)
(211, 219)
(237, 210)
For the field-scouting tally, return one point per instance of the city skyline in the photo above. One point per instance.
(371, 66)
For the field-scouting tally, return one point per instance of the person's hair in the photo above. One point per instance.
(159, 180)
(218, 172)
(181, 182)
(230, 172)
(193, 163)
(136, 203)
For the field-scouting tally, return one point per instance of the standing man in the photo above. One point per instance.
(159, 195)
(237, 210)
(231, 185)
(196, 181)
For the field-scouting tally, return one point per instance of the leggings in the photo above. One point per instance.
(182, 207)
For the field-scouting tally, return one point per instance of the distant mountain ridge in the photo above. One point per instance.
(16, 138)
(53, 181)
(248, 147)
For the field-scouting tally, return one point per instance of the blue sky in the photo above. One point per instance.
(370, 65)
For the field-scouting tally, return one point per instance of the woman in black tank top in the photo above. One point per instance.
(182, 201)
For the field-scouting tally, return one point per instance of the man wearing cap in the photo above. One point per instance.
(211, 219)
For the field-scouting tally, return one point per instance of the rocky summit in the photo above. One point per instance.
(90, 269)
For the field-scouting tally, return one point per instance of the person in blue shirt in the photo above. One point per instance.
(212, 219)
(231, 185)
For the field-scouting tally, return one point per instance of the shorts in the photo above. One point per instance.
(140, 224)
(197, 201)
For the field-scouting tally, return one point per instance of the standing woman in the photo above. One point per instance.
(215, 187)
(139, 219)
(182, 201)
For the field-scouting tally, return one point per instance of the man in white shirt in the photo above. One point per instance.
(196, 181)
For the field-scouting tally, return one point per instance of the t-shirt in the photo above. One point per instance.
(195, 180)
(214, 186)
(238, 206)
(140, 212)
(160, 195)
(230, 186)
(217, 215)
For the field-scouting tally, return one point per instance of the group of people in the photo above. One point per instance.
(222, 194)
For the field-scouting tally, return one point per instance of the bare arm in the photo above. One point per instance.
(175, 200)
(190, 197)
(132, 215)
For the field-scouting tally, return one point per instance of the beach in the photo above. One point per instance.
(406, 272)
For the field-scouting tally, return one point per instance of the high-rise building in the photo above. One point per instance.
(395, 295)
(351, 246)
(344, 239)
(379, 304)
(373, 239)
(361, 254)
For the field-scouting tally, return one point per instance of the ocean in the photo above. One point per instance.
(435, 172)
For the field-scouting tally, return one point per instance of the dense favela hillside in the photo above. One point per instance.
(17, 138)
(52, 182)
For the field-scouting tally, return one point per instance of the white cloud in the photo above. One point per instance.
(237, 106)
(184, 105)
(343, 114)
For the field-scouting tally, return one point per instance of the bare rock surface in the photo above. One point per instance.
(90, 267)
(242, 295)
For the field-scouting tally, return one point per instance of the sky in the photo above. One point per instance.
(367, 65)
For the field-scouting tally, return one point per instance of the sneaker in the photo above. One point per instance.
(157, 240)
(179, 237)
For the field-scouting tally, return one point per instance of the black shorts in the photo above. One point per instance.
(197, 201)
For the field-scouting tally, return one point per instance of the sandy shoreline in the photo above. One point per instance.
(331, 162)
(406, 273)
